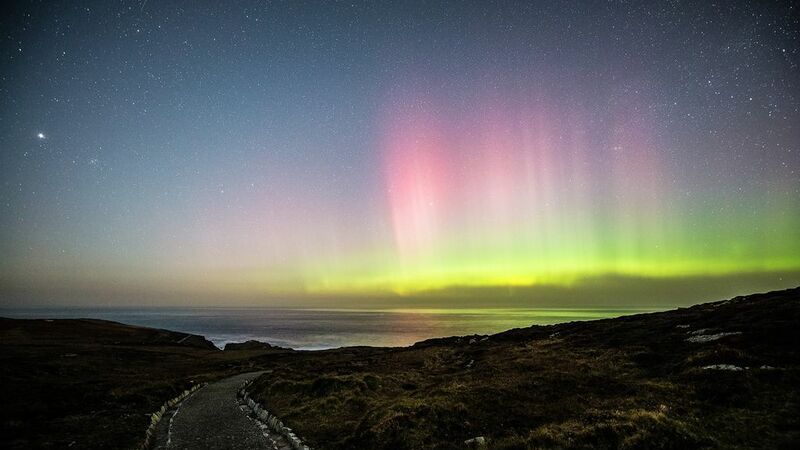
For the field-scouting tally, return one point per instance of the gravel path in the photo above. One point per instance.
(212, 418)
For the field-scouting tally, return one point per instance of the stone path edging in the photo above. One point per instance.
(270, 420)
(156, 417)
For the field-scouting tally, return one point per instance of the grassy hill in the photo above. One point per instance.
(717, 375)
(93, 383)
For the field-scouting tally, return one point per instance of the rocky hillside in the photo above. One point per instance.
(716, 375)
(93, 383)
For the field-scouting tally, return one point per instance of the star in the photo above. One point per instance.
(40, 135)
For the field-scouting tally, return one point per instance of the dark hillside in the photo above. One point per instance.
(717, 375)
(93, 383)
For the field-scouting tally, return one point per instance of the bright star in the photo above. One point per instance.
(40, 135)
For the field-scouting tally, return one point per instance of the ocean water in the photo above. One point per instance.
(313, 329)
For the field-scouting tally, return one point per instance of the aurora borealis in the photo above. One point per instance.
(297, 153)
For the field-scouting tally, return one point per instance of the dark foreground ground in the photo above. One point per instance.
(93, 383)
(663, 380)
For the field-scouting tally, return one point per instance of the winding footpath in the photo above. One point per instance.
(212, 418)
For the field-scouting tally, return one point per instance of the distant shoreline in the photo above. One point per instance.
(310, 329)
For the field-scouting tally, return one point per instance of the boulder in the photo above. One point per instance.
(249, 345)
(476, 442)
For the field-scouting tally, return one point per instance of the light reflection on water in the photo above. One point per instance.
(310, 329)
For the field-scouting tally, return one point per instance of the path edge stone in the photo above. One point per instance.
(156, 417)
(270, 420)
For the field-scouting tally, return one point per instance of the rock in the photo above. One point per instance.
(249, 345)
(294, 441)
(730, 367)
(476, 442)
(710, 337)
(191, 340)
(696, 332)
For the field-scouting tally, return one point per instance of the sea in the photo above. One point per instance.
(316, 329)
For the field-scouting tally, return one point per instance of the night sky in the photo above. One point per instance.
(492, 153)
